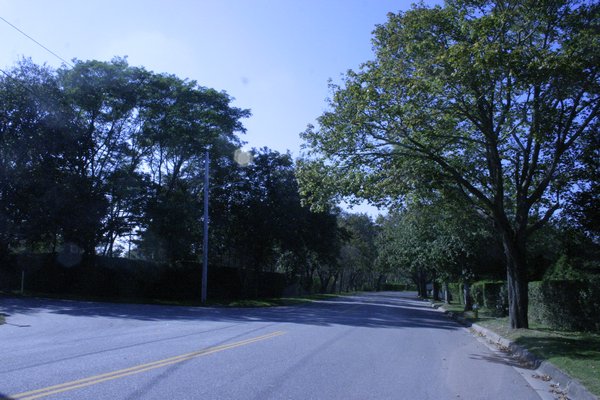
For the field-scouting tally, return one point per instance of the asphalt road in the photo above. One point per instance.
(370, 346)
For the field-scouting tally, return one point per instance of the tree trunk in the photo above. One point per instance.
(446, 293)
(467, 296)
(435, 289)
(380, 282)
(324, 282)
(516, 279)
(334, 284)
(422, 286)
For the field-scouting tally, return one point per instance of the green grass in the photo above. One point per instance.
(576, 353)
(264, 302)
(277, 302)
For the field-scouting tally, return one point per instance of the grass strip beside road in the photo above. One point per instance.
(263, 302)
(576, 353)
(282, 301)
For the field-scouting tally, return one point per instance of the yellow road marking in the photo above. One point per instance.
(93, 380)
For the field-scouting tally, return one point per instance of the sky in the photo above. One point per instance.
(274, 57)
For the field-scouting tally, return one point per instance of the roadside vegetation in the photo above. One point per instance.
(235, 303)
(475, 124)
(575, 352)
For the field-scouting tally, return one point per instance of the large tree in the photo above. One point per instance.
(490, 98)
(93, 152)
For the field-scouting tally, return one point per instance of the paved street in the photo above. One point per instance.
(370, 346)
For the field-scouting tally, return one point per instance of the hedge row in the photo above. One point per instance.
(492, 295)
(122, 278)
(395, 287)
(557, 304)
(456, 293)
(568, 305)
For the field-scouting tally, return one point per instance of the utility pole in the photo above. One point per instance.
(205, 237)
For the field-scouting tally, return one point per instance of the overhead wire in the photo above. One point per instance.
(36, 42)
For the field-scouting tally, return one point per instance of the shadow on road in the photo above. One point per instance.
(374, 310)
(503, 359)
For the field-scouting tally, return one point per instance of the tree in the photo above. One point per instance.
(490, 98)
(358, 253)
(180, 120)
(34, 148)
(437, 239)
(93, 152)
(260, 224)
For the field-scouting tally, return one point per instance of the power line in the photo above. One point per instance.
(38, 43)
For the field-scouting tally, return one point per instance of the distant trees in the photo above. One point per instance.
(358, 253)
(436, 240)
(260, 224)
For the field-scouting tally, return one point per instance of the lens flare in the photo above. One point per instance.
(243, 158)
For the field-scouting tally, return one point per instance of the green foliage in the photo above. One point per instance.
(436, 238)
(395, 287)
(456, 293)
(118, 278)
(563, 270)
(92, 152)
(100, 156)
(457, 99)
(566, 305)
(491, 295)
(358, 253)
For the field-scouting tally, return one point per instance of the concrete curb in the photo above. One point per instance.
(570, 386)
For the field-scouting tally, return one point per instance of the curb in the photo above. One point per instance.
(571, 387)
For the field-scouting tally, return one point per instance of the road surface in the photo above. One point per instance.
(369, 346)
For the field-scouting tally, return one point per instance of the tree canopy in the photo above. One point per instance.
(496, 100)
(98, 151)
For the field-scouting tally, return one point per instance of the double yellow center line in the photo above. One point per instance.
(93, 380)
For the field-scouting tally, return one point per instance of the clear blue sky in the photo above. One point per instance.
(274, 57)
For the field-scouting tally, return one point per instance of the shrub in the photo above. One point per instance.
(455, 290)
(126, 279)
(566, 305)
(563, 270)
(477, 289)
(395, 287)
(491, 295)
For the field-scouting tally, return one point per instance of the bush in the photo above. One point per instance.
(393, 287)
(455, 290)
(492, 295)
(477, 289)
(566, 305)
(563, 270)
(97, 276)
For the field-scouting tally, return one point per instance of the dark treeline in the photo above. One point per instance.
(103, 158)
(436, 239)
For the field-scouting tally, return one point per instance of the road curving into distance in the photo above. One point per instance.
(369, 346)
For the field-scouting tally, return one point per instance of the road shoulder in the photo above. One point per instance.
(563, 384)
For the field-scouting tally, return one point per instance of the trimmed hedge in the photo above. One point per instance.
(133, 279)
(393, 287)
(456, 290)
(492, 295)
(566, 305)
